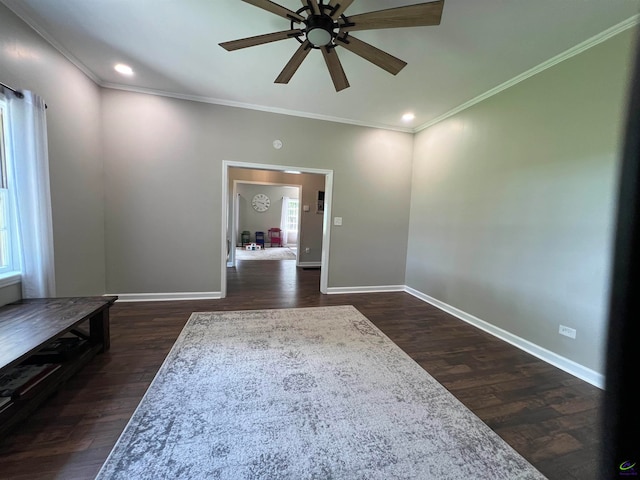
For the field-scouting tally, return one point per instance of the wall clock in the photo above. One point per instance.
(260, 202)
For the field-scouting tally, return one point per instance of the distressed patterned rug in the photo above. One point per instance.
(308, 393)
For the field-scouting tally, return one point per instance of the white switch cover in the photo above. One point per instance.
(305, 208)
(567, 331)
(337, 221)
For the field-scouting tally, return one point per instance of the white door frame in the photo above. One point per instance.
(326, 224)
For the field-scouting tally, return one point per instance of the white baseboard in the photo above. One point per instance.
(580, 371)
(309, 264)
(569, 366)
(366, 289)
(165, 297)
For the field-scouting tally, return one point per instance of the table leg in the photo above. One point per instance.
(99, 329)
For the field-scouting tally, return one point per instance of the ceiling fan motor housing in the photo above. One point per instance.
(319, 29)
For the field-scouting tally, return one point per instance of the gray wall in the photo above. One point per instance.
(73, 124)
(513, 202)
(163, 173)
(310, 222)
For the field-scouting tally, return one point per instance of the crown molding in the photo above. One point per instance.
(572, 52)
(20, 12)
(577, 49)
(250, 106)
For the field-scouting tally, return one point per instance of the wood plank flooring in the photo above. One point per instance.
(547, 415)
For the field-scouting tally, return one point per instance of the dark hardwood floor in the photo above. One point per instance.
(547, 415)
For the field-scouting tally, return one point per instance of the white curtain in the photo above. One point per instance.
(29, 174)
(284, 224)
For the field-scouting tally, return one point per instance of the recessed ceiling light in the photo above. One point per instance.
(407, 117)
(123, 69)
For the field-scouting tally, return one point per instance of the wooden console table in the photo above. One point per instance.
(29, 325)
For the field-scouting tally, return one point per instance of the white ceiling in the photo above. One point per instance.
(172, 46)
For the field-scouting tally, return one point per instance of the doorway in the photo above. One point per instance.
(229, 211)
(264, 231)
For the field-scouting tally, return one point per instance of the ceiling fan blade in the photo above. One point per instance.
(376, 56)
(335, 68)
(260, 39)
(340, 6)
(421, 15)
(277, 9)
(313, 4)
(295, 62)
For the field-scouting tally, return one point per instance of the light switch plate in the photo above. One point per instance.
(337, 221)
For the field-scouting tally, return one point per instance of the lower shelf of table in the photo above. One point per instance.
(22, 407)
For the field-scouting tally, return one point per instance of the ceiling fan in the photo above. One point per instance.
(324, 26)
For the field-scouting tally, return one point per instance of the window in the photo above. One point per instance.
(292, 215)
(7, 256)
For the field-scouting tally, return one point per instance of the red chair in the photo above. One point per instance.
(275, 237)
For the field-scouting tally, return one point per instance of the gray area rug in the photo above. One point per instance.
(310, 393)
(269, 253)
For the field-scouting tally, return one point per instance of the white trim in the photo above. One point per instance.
(366, 289)
(15, 8)
(11, 273)
(326, 233)
(250, 106)
(573, 51)
(278, 168)
(580, 371)
(224, 226)
(10, 278)
(563, 363)
(20, 12)
(595, 40)
(165, 297)
(326, 224)
(309, 264)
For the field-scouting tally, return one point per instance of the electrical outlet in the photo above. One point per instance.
(567, 331)
(307, 250)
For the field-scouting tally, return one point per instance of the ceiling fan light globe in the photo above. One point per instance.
(319, 37)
